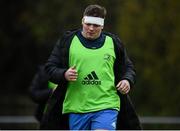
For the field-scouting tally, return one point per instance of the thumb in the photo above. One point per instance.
(73, 67)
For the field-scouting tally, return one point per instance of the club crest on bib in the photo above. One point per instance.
(107, 57)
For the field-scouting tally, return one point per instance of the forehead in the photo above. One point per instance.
(93, 20)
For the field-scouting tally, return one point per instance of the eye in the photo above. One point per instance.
(95, 25)
(88, 24)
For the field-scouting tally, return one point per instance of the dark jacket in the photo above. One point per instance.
(56, 66)
(39, 91)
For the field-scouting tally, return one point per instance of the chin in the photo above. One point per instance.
(91, 38)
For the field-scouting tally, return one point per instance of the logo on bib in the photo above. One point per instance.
(91, 79)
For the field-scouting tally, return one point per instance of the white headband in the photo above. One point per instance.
(94, 20)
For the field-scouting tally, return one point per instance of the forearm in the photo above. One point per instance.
(129, 72)
(56, 74)
(55, 66)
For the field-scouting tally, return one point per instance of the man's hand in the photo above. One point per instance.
(123, 86)
(71, 74)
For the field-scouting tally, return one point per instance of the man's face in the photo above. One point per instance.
(91, 31)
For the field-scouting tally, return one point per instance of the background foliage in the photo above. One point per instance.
(149, 29)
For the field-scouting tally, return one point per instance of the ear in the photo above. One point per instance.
(102, 27)
(82, 20)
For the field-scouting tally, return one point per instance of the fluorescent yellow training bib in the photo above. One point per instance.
(94, 89)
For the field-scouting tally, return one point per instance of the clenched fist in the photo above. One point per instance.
(71, 74)
(123, 86)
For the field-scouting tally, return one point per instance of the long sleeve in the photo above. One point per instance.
(123, 67)
(55, 64)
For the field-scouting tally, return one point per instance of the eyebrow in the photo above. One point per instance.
(92, 24)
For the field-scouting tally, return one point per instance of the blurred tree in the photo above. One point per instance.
(16, 46)
(151, 32)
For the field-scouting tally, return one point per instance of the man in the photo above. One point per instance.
(94, 75)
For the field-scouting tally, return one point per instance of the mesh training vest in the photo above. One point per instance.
(94, 89)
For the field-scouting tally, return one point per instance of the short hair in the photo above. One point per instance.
(95, 10)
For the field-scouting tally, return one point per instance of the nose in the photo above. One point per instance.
(91, 27)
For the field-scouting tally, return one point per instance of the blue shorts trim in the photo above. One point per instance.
(104, 119)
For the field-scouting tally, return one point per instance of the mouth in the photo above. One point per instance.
(90, 33)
